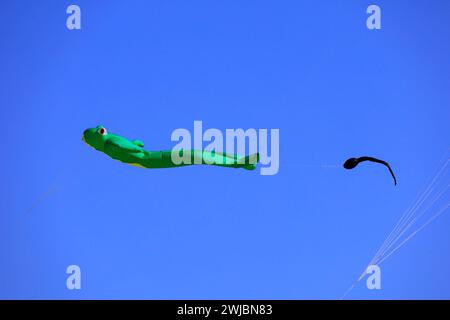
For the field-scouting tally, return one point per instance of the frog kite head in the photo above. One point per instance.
(96, 137)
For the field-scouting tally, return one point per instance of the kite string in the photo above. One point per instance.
(428, 190)
(402, 218)
(434, 217)
(421, 197)
(409, 213)
(312, 165)
(424, 196)
(408, 221)
(413, 221)
(397, 228)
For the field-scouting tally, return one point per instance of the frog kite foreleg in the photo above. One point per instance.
(132, 152)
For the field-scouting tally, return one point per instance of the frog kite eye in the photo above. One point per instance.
(132, 152)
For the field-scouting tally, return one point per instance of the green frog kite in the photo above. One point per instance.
(132, 152)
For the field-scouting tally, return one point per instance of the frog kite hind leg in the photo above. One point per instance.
(133, 153)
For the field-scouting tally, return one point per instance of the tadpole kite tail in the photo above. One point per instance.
(132, 152)
(353, 162)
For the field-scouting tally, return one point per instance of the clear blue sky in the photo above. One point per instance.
(144, 68)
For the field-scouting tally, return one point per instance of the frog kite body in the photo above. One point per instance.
(133, 153)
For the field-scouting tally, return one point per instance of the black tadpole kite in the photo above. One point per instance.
(353, 162)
